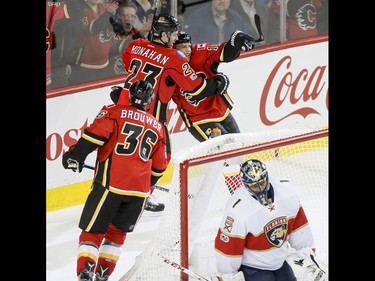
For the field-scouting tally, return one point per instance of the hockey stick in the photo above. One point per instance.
(156, 186)
(161, 188)
(259, 29)
(182, 269)
(88, 167)
(237, 277)
(149, 35)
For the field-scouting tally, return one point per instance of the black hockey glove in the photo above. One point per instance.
(115, 93)
(194, 100)
(223, 83)
(69, 161)
(242, 41)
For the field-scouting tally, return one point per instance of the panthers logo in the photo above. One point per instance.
(276, 231)
(306, 16)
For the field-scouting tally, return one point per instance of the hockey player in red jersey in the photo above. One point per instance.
(131, 157)
(166, 68)
(260, 222)
(213, 111)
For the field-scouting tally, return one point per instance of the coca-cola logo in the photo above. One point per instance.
(290, 93)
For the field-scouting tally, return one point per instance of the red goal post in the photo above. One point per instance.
(204, 177)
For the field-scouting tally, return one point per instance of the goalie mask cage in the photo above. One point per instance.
(204, 177)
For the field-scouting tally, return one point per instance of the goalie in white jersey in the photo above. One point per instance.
(261, 221)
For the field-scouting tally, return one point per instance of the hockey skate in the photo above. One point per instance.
(153, 205)
(88, 273)
(100, 275)
(85, 275)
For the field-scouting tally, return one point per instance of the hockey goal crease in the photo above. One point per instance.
(204, 177)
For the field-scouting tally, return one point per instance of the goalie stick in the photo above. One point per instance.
(156, 186)
(182, 269)
(259, 29)
(237, 277)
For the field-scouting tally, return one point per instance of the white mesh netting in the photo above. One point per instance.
(209, 186)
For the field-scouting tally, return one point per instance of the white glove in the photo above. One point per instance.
(305, 252)
(305, 266)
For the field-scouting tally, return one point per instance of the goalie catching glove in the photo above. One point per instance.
(305, 266)
(70, 162)
(242, 41)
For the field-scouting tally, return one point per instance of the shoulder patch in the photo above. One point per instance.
(193, 76)
(228, 225)
(101, 114)
(201, 46)
(180, 54)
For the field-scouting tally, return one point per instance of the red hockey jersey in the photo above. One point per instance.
(205, 58)
(132, 148)
(165, 68)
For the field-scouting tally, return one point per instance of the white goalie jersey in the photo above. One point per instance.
(260, 236)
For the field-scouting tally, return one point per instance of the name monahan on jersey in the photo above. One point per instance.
(256, 235)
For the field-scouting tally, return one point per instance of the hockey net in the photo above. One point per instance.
(204, 177)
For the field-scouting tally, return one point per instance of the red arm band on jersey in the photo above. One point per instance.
(228, 244)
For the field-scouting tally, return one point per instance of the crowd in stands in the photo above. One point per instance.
(86, 38)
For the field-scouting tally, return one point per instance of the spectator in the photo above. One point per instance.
(266, 2)
(213, 22)
(261, 221)
(94, 42)
(59, 14)
(247, 9)
(131, 157)
(123, 25)
(301, 18)
(213, 111)
(145, 15)
(322, 17)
